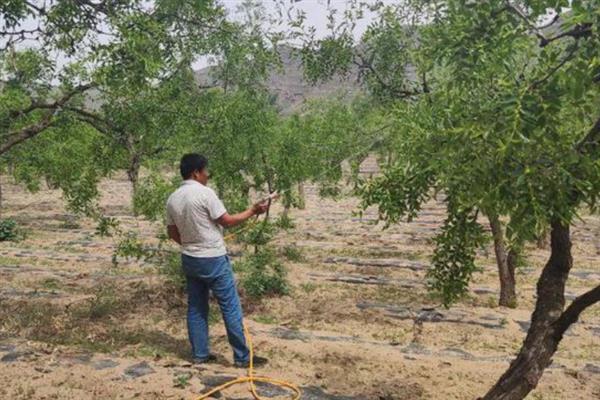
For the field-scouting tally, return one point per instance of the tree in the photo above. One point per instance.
(111, 52)
(388, 62)
(536, 124)
(509, 128)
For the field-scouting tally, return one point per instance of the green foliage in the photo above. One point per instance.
(115, 103)
(182, 380)
(399, 192)
(9, 230)
(453, 262)
(106, 226)
(130, 246)
(169, 265)
(293, 253)
(258, 234)
(327, 56)
(70, 156)
(166, 261)
(151, 196)
(484, 110)
(285, 222)
(262, 274)
(102, 304)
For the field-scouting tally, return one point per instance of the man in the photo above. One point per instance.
(195, 216)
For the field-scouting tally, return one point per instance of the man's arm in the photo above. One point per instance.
(227, 221)
(173, 233)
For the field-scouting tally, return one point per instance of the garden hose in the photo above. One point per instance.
(250, 378)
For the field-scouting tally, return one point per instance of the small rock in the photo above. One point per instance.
(138, 370)
(79, 358)
(524, 325)
(104, 364)
(591, 368)
(14, 356)
(7, 347)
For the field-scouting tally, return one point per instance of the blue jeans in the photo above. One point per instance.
(215, 274)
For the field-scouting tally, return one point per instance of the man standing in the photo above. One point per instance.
(195, 216)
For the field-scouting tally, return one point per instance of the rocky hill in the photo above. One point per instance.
(290, 86)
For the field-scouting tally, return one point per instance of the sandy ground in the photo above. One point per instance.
(358, 323)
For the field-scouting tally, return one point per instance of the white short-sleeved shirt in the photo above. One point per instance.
(194, 209)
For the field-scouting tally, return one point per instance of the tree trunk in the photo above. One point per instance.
(544, 334)
(548, 322)
(301, 196)
(506, 265)
(133, 173)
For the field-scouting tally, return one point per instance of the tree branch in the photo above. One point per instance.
(23, 134)
(516, 10)
(364, 64)
(36, 105)
(100, 124)
(571, 314)
(579, 31)
(553, 70)
(591, 141)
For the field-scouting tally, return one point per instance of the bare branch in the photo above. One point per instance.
(578, 31)
(40, 10)
(364, 64)
(549, 24)
(571, 314)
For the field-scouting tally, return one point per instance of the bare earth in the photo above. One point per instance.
(358, 324)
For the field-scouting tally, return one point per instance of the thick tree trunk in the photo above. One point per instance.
(544, 334)
(506, 265)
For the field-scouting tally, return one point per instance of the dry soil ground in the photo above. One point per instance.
(358, 323)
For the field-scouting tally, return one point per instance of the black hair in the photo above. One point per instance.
(190, 163)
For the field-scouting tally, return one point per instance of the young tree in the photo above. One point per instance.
(109, 53)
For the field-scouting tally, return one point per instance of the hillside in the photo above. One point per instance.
(289, 84)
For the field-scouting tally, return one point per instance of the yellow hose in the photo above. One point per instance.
(251, 378)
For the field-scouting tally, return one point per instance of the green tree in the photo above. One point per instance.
(113, 53)
(392, 68)
(507, 127)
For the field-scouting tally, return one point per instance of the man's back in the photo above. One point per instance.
(194, 209)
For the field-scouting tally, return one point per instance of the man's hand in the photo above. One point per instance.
(260, 207)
